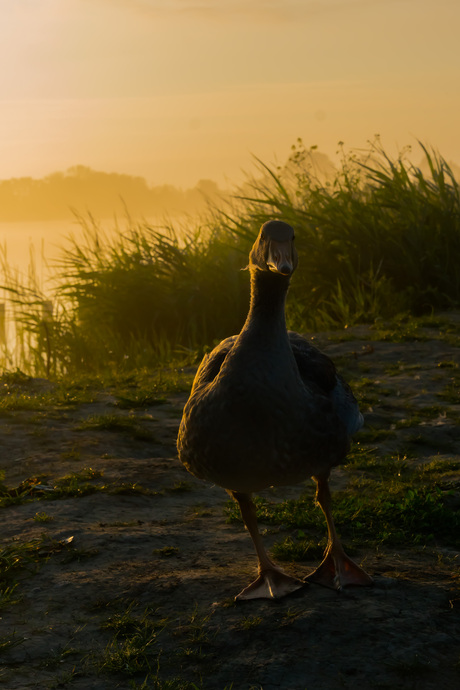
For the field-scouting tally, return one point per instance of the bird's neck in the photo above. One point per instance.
(266, 317)
(262, 351)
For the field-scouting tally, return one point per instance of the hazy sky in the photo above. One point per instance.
(178, 90)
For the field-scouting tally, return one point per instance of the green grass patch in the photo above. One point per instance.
(431, 411)
(135, 390)
(385, 466)
(250, 622)
(139, 399)
(166, 551)
(134, 647)
(130, 489)
(370, 435)
(9, 642)
(43, 518)
(181, 487)
(129, 425)
(393, 508)
(451, 392)
(440, 467)
(73, 554)
(21, 558)
(297, 548)
(131, 655)
(399, 332)
(73, 485)
(16, 558)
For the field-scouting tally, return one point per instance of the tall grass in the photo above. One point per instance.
(27, 318)
(378, 238)
(375, 238)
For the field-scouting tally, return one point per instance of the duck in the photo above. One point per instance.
(268, 409)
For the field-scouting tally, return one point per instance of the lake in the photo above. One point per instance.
(35, 248)
(41, 242)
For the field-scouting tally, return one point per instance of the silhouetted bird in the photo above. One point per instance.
(269, 409)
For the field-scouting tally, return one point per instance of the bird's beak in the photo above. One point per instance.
(280, 257)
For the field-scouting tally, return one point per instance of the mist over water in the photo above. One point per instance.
(40, 242)
(39, 245)
(31, 252)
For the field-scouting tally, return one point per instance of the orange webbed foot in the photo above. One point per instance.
(272, 583)
(339, 571)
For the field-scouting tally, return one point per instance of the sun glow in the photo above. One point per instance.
(178, 91)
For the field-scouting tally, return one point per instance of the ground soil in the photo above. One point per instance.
(163, 545)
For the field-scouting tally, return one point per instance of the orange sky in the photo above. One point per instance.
(179, 90)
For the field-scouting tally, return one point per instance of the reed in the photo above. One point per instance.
(376, 238)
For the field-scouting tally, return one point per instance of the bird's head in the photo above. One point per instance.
(274, 249)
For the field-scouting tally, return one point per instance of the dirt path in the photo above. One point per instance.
(143, 595)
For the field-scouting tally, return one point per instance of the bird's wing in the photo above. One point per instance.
(317, 371)
(212, 362)
(315, 368)
(346, 406)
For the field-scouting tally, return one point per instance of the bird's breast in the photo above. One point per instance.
(247, 439)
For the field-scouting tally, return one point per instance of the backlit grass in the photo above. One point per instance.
(74, 485)
(19, 558)
(377, 241)
(15, 558)
(137, 389)
(136, 647)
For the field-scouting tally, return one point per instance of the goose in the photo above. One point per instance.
(267, 409)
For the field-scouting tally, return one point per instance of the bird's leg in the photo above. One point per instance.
(272, 582)
(337, 570)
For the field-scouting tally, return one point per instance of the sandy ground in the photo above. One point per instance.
(162, 550)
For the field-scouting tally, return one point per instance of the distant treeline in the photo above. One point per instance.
(103, 194)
